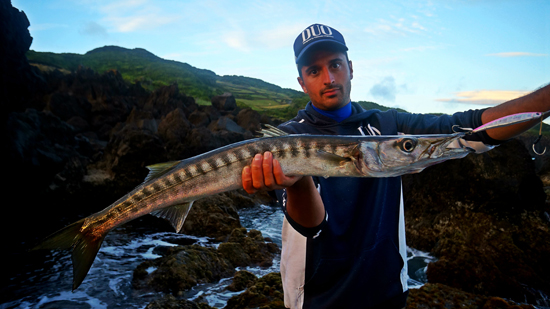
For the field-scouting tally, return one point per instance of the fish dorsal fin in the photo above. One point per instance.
(271, 131)
(175, 214)
(159, 169)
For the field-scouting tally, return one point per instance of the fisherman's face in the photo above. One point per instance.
(326, 78)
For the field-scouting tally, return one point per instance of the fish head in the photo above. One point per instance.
(408, 154)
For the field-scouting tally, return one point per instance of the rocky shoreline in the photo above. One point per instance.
(78, 141)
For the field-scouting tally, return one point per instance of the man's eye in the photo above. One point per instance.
(336, 65)
(312, 72)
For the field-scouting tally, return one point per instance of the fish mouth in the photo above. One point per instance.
(455, 145)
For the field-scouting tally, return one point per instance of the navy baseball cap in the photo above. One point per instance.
(316, 34)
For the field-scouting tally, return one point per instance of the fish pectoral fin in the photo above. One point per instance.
(159, 169)
(174, 214)
(331, 157)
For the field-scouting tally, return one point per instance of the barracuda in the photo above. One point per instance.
(171, 188)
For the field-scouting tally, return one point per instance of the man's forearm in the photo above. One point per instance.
(304, 204)
(537, 101)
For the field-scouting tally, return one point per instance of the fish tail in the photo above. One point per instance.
(85, 246)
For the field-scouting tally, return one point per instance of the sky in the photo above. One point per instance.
(424, 56)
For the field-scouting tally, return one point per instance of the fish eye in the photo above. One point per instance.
(407, 144)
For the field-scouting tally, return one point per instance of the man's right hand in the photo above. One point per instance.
(265, 173)
(304, 204)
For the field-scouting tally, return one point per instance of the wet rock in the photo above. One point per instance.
(483, 217)
(243, 279)
(171, 302)
(181, 269)
(246, 249)
(214, 216)
(266, 293)
(436, 295)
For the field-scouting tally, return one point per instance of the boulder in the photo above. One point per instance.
(243, 279)
(267, 292)
(213, 216)
(171, 302)
(181, 269)
(436, 295)
(184, 267)
(225, 102)
(247, 249)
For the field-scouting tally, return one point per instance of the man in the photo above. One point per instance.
(343, 238)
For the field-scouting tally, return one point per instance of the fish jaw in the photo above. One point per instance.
(407, 154)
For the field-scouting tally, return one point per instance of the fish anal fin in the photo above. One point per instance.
(159, 169)
(175, 214)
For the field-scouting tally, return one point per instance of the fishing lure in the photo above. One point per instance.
(510, 120)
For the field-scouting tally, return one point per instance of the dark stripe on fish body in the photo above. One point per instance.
(294, 148)
(213, 164)
(187, 173)
(167, 182)
(177, 177)
(156, 187)
(251, 152)
(126, 204)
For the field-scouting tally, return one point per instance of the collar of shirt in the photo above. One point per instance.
(338, 115)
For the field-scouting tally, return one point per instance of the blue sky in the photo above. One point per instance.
(422, 56)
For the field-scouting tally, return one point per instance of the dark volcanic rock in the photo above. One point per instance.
(243, 279)
(249, 119)
(184, 267)
(266, 293)
(171, 302)
(484, 218)
(436, 295)
(214, 216)
(245, 249)
(181, 269)
(224, 102)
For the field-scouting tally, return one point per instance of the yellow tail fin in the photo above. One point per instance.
(84, 246)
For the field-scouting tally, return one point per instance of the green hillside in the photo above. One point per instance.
(139, 65)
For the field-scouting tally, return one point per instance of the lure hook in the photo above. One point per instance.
(538, 140)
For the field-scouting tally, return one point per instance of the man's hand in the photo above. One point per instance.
(265, 173)
(304, 203)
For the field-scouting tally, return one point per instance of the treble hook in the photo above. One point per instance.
(538, 140)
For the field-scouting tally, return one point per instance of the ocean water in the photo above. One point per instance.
(46, 283)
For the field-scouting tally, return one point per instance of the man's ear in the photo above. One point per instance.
(301, 82)
(350, 70)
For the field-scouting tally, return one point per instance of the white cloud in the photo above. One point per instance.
(517, 54)
(396, 26)
(484, 97)
(133, 15)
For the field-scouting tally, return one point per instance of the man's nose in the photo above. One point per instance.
(328, 77)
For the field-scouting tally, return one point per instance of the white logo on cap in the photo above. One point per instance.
(315, 31)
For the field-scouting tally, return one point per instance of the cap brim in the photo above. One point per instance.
(303, 52)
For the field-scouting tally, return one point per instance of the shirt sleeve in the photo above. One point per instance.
(304, 231)
(431, 124)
